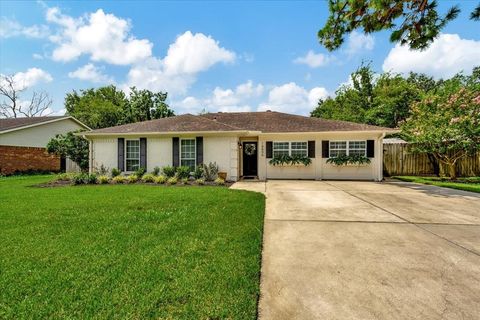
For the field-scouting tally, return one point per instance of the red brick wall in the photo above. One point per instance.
(26, 158)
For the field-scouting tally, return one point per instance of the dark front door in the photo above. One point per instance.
(250, 159)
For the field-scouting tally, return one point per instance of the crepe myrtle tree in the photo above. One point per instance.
(446, 123)
(72, 146)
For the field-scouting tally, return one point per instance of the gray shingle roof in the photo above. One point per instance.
(13, 123)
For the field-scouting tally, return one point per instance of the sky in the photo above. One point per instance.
(209, 55)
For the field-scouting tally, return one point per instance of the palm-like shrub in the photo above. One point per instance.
(148, 177)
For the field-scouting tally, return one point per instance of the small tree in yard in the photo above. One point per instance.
(71, 146)
(446, 123)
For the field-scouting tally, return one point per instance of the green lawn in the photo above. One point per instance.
(467, 184)
(128, 251)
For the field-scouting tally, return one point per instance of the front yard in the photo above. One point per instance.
(128, 251)
(467, 184)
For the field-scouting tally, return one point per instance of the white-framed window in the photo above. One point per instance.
(338, 148)
(188, 153)
(290, 149)
(132, 159)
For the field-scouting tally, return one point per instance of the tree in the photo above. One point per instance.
(146, 105)
(12, 105)
(446, 122)
(72, 146)
(97, 108)
(415, 23)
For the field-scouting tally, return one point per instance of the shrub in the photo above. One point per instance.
(148, 177)
(102, 179)
(184, 181)
(92, 178)
(115, 172)
(140, 172)
(183, 172)
(169, 171)
(64, 177)
(198, 173)
(119, 179)
(156, 171)
(200, 181)
(80, 178)
(102, 171)
(132, 178)
(210, 171)
(160, 179)
(219, 181)
(172, 180)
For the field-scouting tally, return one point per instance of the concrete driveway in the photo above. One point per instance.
(365, 250)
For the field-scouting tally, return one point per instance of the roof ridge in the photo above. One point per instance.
(223, 123)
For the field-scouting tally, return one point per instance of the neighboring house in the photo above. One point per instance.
(241, 144)
(23, 142)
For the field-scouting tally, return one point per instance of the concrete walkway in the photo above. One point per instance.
(365, 250)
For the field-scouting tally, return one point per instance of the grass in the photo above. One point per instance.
(128, 251)
(468, 184)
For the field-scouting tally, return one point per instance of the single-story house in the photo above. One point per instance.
(23, 143)
(242, 144)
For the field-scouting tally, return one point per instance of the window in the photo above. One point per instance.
(351, 148)
(290, 149)
(133, 155)
(188, 153)
(280, 149)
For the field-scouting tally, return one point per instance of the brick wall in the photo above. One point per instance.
(26, 158)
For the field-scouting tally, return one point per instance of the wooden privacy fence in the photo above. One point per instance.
(398, 160)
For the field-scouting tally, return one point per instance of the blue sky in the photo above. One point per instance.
(222, 56)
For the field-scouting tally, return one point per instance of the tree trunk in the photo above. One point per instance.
(434, 161)
(452, 171)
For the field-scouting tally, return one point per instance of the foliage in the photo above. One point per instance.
(109, 106)
(198, 172)
(103, 171)
(172, 180)
(115, 172)
(344, 159)
(64, 177)
(140, 172)
(84, 178)
(133, 178)
(148, 178)
(446, 123)
(463, 184)
(169, 171)
(382, 100)
(415, 23)
(184, 181)
(210, 171)
(290, 160)
(103, 179)
(174, 251)
(156, 171)
(119, 179)
(200, 181)
(183, 172)
(219, 181)
(160, 179)
(71, 146)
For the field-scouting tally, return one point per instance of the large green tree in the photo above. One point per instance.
(147, 105)
(72, 146)
(415, 23)
(446, 121)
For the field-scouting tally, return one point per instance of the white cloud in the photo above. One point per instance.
(292, 98)
(30, 78)
(190, 103)
(37, 56)
(11, 28)
(446, 56)
(358, 42)
(313, 60)
(104, 37)
(189, 55)
(234, 99)
(90, 72)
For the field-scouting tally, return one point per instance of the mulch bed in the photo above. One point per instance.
(64, 183)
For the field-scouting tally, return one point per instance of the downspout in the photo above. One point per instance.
(380, 166)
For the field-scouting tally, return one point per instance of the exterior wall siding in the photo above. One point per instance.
(19, 159)
(103, 152)
(223, 151)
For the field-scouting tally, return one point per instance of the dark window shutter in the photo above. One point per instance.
(311, 149)
(143, 153)
(176, 151)
(325, 149)
(199, 150)
(269, 152)
(370, 148)
(121, 154)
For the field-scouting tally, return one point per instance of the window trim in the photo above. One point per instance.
(126, 154)
(180, 158)
(347, 150)
(290, 147)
